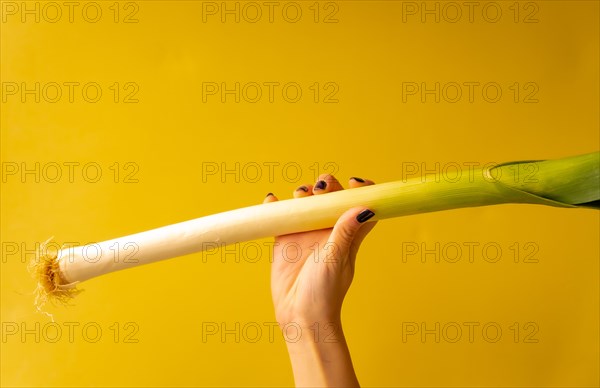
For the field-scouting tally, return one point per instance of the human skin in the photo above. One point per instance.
(310, 276)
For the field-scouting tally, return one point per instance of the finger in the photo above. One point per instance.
(303, 191)
(347, 228)
(270, 198)
(360, 236)
(327, 183)
(355, 182)
(359, 182)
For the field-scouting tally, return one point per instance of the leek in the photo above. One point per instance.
(570, 183)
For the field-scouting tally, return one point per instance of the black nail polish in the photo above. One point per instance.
(321, 185)
(268, 195)
(358, 179)
(364, 216)
(303, 188)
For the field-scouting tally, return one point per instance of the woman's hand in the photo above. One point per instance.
(310, 275)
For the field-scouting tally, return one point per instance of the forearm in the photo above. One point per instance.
(320, 357)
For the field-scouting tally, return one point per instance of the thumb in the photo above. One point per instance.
(346, 228)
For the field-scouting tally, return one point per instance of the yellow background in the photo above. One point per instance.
(170, 134)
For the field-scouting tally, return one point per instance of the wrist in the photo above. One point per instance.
(306, 334)
(308, 318)
(320, 356)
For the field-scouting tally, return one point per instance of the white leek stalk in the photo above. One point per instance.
(570, 182)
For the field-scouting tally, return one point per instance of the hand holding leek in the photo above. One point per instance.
(310, 275)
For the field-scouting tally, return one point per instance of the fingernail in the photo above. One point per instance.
(358, 179)
(268, 195)
(303, 188)
(321, 185)
(364, 216)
